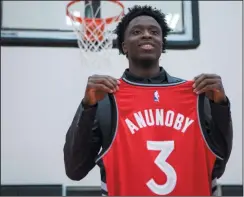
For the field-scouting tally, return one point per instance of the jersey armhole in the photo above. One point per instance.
(201, 117)
(114, 124)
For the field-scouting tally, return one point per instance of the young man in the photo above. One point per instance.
(159, 135)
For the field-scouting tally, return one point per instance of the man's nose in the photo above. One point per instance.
(146, 34)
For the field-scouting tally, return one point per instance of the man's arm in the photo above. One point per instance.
(83, 139)
(218, 121)
(83, 142)
(219, 124)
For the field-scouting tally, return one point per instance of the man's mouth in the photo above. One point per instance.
(147, 46)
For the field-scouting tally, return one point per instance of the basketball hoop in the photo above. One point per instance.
(94, 29)
(94, 32)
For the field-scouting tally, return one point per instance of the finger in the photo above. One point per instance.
(114, 82)
(206, 75)
(99, 79)
(118, 83)
(200, 78)
(105, 76)
(195, 78)
(210, 87)
(103, 81)
(204, 83)
(101, 87)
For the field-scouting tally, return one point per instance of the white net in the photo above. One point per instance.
(94, 30)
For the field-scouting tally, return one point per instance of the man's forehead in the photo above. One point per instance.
(143, 20)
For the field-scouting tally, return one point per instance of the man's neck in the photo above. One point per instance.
(144, 71)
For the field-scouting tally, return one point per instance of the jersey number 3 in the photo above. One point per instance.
(165, 148)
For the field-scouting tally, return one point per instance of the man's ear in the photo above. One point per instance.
(124, 47)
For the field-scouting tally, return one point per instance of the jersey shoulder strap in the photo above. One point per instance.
(106, 117)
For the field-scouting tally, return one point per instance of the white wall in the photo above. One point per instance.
(42, 87)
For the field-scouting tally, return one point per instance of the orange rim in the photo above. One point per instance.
(97, 20)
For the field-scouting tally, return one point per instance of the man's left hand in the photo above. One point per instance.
(211, 85)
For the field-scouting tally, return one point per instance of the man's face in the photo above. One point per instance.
(143, 39)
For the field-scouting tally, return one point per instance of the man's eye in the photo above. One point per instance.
(136, 32)
(155, 32)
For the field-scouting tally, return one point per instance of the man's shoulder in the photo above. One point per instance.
(173, 79)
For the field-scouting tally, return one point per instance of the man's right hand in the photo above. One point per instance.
(97, 87)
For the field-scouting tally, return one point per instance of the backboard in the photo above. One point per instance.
(44, 23)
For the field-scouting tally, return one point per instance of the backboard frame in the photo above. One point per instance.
(192, 43)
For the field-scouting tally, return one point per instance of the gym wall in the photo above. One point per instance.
(42, 87)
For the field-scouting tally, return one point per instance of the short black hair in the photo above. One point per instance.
(136, 11)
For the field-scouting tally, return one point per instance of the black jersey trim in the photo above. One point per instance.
(114, 118)
(201, 119)
(153, 85)
(102, 171)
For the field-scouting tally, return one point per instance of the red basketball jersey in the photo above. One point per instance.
(158, 147)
